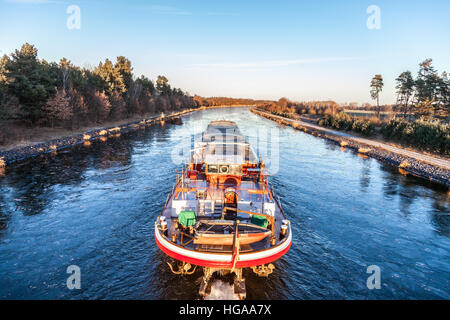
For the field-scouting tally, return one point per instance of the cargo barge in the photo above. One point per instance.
(222, 214)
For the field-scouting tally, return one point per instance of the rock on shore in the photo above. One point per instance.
(19, 154)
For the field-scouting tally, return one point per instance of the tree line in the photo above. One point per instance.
(287, 108)
(428, 94)
(38, 92)
(226, 101)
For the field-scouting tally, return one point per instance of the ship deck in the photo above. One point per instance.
(251, 196)
(234, 218)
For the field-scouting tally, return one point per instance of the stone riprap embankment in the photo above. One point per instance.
(19, 154)
(408, 162)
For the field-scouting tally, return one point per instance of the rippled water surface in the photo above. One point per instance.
(95, 207)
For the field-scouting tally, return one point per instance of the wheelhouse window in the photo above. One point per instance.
(213, 169)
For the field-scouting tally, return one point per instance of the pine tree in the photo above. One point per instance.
(123, 67)
(163, 87)
(28, 79)
(405, 90)
(102, 106)
(111, 77)
(79, 108)
(376, 86)
(118, 107)
(443, 96)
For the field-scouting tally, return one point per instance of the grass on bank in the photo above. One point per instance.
(430, 135)
(343, 121)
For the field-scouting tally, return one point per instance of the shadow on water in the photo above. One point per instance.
(365, 175)
(33, 181)
(440, 217)
(4, 217)
(408, 189)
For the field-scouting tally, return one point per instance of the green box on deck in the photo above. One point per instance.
(260, 221)
(187, 218)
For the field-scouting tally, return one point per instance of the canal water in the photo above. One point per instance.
(95, 207)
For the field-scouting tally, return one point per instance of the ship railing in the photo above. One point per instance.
(276, 197)
(168, 196)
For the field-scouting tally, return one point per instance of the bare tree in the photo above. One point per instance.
(58, 107)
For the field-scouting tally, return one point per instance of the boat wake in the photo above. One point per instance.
(221, 291)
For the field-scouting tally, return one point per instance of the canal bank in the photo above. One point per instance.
(14, 155)
(408, 162)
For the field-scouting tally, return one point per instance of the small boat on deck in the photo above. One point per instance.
(222, 214)
(221, 233)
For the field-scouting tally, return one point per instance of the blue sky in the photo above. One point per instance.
(303, 50)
